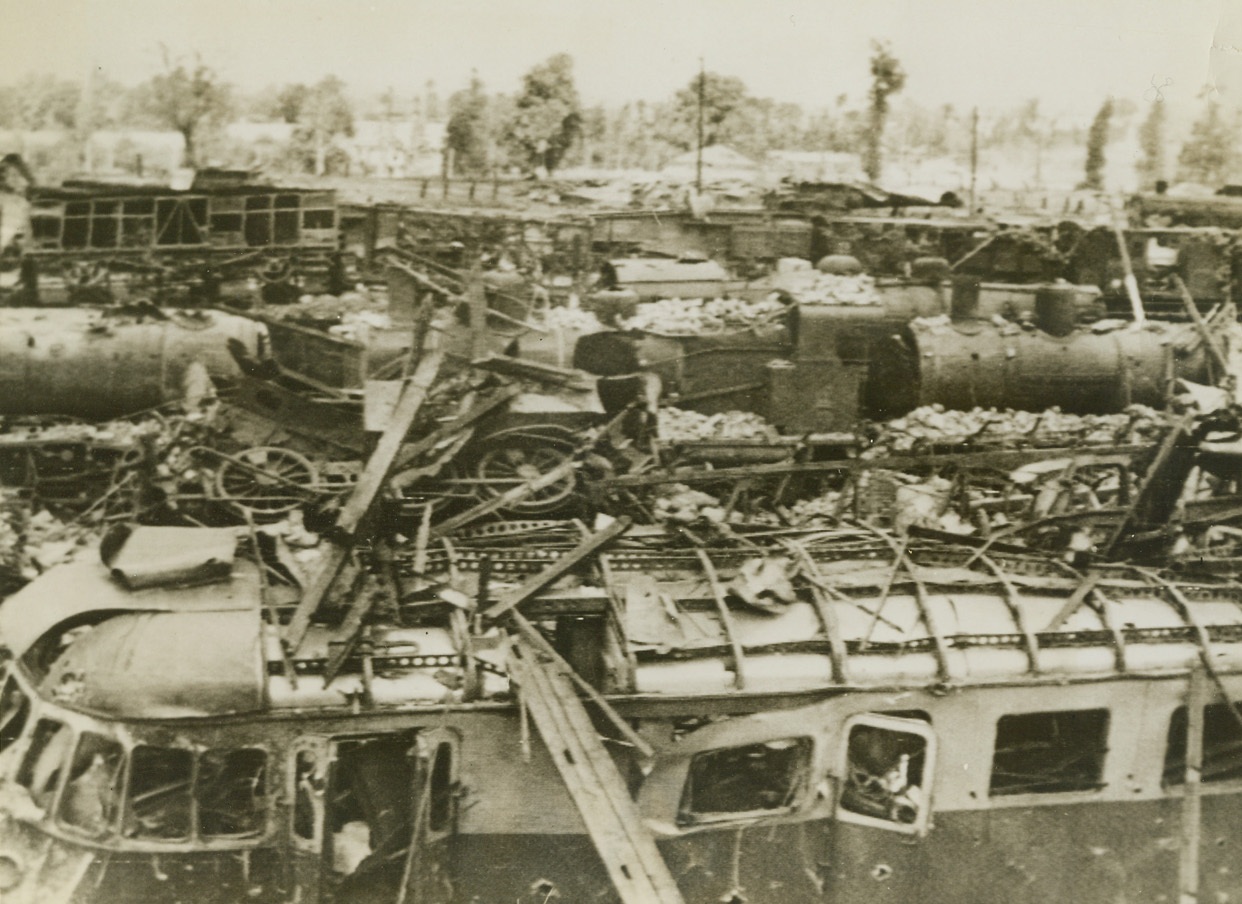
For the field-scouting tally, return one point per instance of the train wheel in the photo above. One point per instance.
(515, 457)
(276, 270)
(276, 281)
(267, 481)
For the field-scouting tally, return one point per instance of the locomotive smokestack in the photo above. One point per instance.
(964, 303)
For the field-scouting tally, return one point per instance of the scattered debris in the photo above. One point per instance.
(694, 316)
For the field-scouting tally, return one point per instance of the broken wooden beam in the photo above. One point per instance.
(1205, 331)
(1162, 485)
(530, 634)
(562, 566)
(483, 406)
(621, 838)
(363, 496)
(504, 500)
(1076, 599)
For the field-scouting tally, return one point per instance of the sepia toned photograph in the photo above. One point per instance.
(563, 452)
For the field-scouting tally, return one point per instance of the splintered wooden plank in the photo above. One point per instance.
(509, 497)
(483, 406)
(363, 496)
(628, 851)
(557, 569)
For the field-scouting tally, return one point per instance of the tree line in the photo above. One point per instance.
(544, 126)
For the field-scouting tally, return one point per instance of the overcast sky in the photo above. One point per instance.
(1068, 53)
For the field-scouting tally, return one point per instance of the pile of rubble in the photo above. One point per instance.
(570, 319)
(695, 316)
(933, 424)
(814, 287)
(679, 425)
(679, 504)
(33, 539)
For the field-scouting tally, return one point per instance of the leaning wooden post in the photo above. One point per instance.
(358, 505)
(1188, 867)
(476, 301)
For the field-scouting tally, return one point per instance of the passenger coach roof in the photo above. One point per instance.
(163, 665)
(71, 593)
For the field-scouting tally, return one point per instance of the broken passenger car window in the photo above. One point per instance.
(92, 794)
(884, 774)
(441, 788)
(160, 799)
(308, 795)
(14, 712)
(231, 792)
(1050, 752)
(41, 768)
(1222, 745)
(752, 779)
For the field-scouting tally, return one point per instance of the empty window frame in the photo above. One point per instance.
(105, 223)
(223, 795)
(160, 801)
(309, 784)
(230, 792)
(92, 795)
(441, 789)
(1222, 745)
(767, 777)
(319, 219)
(41, 768)
(1050, 752)
(138, 222)
(225, 219)
(14, 712)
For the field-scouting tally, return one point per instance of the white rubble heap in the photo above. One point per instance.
(813, 287)
(573, 319)
(936, 424)
(696, 316)
(678, 425)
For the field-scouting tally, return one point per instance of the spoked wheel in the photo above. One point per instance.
(514, 457)
(267, 481)
(276, 270)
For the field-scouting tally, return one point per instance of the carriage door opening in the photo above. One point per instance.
(886, 774)
(377, 813)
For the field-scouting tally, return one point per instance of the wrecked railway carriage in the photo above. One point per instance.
(776, 714)
(82, 237)
(910, 720)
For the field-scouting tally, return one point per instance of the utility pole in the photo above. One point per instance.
(698, 161)
(974, 154)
